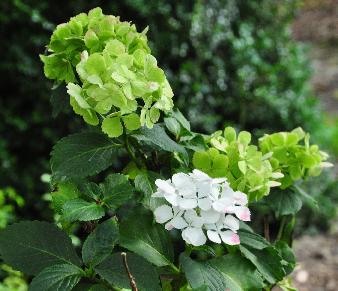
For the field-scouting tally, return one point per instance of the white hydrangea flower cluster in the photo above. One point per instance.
(199, 204)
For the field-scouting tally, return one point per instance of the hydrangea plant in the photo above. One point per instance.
(145, 206)
(234, 157)
(110, 73)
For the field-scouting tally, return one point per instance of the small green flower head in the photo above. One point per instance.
(233, 157)
(110, 72)
(292, 154)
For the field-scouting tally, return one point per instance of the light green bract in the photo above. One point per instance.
(110, 72)
(245, 167)
(292, 154)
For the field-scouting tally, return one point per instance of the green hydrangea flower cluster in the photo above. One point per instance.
(292, 154)
(110, 72)
(233, 157)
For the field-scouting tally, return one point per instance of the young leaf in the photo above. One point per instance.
(65, 191)
(57, 277)
(113, 271)
(81, 155)
(267, 261)
(112, 126)
(230, 272)
(151, 241)
(81, 210)
(172, 125)
(31, 246)
(117, 190)
(100, 243)
(181, 119)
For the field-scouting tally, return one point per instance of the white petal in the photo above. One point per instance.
(240, 198)
(214, 236)
(230, 237)
(199, 175)
(163, 213)
(204, 203)
(231, 222)
(210, 216)
(171, 198)
(273, 184)
(243, 213)
(277, 175)
(179, 223)
(165, 186)
(326, 165)
(222, 205)
(186, 203)
(193, 219)
(203, 188)
(194, 236)
(184, 184)
(219, 180)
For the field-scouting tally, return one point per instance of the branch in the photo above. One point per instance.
(130, 276)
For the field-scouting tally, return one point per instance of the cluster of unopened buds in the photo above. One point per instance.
(201, 207)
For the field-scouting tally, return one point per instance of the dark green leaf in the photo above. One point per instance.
(145, 183)
(230, 272)
(113, 271)
(100, 243)
(117, 190)
(81, 155)
(284, 202)
(151, 241)
(57, 277)
(81, 210)
(31, 246)
(267, 261)
(158, 137)
(252, 239)
(289, 260)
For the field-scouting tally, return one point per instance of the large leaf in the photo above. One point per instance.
(117, 190)
(251, 239)
(31, 246)
(151, 241)
(81, 210)
(57, 277)
(230, 272)
(113, 271)
(100, 243)
(284, 202)
(268, 262)
(158, 137)
(81, 155)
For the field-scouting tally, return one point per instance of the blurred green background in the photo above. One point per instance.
(231, 62)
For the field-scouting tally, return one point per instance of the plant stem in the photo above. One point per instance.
(281, 228)
(266, 228)
(130, 276)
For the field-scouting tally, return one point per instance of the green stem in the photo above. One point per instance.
(281, 228)
(129, 150)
